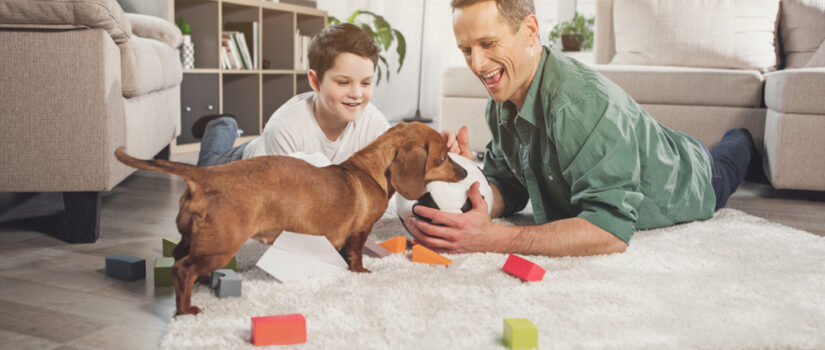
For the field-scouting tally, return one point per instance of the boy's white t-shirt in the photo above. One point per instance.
(293, 128)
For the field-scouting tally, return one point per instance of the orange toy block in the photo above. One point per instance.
(279, 330)
(395, 245)
(421, 254)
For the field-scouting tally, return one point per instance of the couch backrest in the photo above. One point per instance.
(802, 31)
(707, 33)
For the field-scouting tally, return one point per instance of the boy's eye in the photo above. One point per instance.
(343, 82)
(366, 83)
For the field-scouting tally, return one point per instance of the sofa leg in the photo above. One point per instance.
(82, 217)
(163, 154)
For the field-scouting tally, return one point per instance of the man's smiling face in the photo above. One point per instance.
(500, 58)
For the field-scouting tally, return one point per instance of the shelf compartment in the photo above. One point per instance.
(201, 16)
(278, 38)
(199, 97)
(277, 89)
(242, 99)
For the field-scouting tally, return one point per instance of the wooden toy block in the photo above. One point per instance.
(124, 267)
(374, 250)
(169, 245)
(523, 268)
(520, 333)
(395, 245)
(279, 330)
(421, 254)
(163, 271)
(226, 283)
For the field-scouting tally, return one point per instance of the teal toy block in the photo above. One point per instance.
(163, 271)
(124, 267)
(520, 333)
(169, 245)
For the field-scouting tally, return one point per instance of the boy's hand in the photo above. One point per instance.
(458, 144)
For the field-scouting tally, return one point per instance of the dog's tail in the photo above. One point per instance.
(164, 166)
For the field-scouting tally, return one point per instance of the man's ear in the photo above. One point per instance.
(312, 76)
(407, 171)
(530, 25)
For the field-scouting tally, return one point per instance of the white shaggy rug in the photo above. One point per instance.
(735, 281)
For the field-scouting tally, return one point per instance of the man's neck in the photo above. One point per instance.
(521, 94)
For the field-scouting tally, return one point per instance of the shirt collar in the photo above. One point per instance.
(531, 99)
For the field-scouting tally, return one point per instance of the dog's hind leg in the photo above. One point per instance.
(355, 248)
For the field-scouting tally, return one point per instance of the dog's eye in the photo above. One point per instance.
(443, 159)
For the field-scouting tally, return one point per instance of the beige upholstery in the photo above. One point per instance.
(796, 91)
(70, 97)
(802, 29)
(463, 103)
(687, 86)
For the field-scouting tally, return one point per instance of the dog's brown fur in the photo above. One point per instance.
(258, 198)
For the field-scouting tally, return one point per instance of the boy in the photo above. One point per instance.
(336, 119)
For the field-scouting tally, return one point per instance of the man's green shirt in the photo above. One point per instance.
(580, 146)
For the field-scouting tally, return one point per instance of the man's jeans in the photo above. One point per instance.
(217, 141)
(729, 163)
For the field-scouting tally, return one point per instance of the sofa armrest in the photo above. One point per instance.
(64, 14)
(796, 91)
(157, 28)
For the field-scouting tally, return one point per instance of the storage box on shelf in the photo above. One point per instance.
(252, 95)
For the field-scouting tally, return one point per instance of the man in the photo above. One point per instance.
(594, 164)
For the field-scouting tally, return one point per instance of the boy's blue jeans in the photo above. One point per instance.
(729, 163)
(217, 143)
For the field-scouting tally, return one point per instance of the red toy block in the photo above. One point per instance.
(279, 330)
(523, 268)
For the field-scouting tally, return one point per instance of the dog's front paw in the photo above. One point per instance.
(360, 270)
(192, 310)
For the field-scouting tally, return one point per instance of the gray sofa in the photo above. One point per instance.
(80, 78)
(783, 106)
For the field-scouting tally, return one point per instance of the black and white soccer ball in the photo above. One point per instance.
(451, 197)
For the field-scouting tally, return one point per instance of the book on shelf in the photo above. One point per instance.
(235, 60)
(249, 32)
(236, 44)
(301, 51)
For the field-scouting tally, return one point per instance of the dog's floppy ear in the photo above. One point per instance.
(407, 170)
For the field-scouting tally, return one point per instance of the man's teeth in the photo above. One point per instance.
(491, 74)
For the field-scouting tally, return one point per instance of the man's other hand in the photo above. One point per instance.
(458, 144)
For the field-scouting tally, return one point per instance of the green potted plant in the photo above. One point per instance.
(576, 34)
(384, 34)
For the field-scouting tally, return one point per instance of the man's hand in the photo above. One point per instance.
(458, 144)
(473, 231)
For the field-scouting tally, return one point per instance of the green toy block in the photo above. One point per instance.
(231, 265)
(169, 245)
(163, 271)
(520, 333)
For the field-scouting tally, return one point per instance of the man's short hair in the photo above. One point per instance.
(337, 39)
(513, 11)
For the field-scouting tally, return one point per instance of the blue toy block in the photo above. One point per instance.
(226, 283)
(128, 268)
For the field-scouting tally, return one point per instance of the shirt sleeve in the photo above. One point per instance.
(599, 157)
(498, 173)
(281, 140)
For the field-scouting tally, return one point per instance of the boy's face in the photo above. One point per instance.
(499, 58)
(346, 88)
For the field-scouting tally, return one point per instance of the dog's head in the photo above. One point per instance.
(421, 157)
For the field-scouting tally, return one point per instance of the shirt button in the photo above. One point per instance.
(550, 177)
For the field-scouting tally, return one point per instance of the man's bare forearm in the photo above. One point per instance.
(567, 237)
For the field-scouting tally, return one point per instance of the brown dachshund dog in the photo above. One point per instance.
(257, 198)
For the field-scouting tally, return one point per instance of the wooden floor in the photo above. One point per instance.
(56, 296)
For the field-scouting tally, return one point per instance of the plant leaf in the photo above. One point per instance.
(400, 48)
(331, 20)
(386, 65)
(351, 18)
(378, 73)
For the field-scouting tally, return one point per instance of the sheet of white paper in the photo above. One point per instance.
(295, 255)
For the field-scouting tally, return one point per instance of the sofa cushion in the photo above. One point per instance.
(63, 14)
(459, 81)
(709, 33)
(687, 86)
(148, 65)
(802, 30)
(796, 91)
(157, 28)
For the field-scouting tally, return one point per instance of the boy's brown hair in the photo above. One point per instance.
(513, 11)
(337, 39)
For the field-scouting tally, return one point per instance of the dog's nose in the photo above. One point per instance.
(462, 173)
